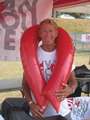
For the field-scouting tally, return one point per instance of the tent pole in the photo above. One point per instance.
(54, 15)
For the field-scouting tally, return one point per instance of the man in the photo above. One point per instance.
(48, 31)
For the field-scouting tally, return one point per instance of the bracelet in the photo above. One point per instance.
(73, 89)
(30, 103)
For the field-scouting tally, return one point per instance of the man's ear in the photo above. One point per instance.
(56, 33)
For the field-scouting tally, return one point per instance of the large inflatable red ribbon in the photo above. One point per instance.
(28, 50)
(36, 81)
(64, 60)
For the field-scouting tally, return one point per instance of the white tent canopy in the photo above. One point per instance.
(76, 8)
(80, 8)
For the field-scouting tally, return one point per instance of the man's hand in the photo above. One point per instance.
(62, 94)
(35, 110)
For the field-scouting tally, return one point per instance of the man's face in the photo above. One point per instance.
(48, 34)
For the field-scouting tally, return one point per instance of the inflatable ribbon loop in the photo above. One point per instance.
(64, 58)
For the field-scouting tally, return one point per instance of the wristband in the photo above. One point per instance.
(30, 103)
(73, 89)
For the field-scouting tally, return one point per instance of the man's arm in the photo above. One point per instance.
(26, 89)
(72, 81)
(34, 108)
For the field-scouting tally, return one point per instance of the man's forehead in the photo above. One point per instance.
(47, 26)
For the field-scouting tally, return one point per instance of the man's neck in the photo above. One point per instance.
(48, 48)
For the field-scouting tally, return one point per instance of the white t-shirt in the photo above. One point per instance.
(47, 63)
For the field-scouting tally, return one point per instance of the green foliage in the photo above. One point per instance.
(57, 13)
(76, 15)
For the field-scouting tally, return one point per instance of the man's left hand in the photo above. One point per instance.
(62, 94)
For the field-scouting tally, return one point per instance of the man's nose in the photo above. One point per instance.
(47, 33)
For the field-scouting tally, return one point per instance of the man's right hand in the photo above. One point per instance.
(35, 110)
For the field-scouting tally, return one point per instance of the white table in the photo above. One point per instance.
(14, 84)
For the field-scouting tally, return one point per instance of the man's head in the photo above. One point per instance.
(48, 31)
(49, 21)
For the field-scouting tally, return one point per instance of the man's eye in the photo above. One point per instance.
(51, 30)
(44, 31)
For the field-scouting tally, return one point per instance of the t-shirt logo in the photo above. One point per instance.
(47, 67)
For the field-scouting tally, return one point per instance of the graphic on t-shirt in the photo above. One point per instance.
(41, 66)
(47, 68)
(78, 106)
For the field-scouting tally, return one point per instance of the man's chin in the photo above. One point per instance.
(48, 42)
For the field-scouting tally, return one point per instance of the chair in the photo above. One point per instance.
(21, 110)
(82, 74)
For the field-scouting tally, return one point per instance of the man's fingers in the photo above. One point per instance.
(65, 85)
(36, 111)
(37, 115)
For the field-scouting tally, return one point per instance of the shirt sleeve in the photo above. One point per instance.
(73, 67)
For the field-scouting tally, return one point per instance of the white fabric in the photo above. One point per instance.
(1, 118)
(47, 62)
(79, 107)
